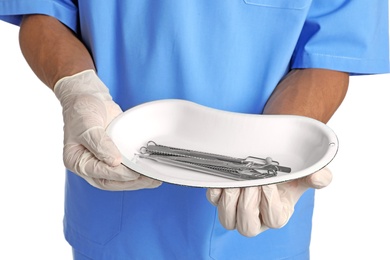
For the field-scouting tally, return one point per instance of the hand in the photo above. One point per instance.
(255, 209)
(88, 151)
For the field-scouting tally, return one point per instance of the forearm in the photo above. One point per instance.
(51, 49)
(314, 93)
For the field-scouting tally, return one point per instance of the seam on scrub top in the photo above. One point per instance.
(338, 56)
(276, 6)
(333, 56)
(212, 232)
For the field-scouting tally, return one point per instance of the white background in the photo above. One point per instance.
(351, 220)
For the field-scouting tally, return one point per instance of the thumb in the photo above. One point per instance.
(97, 141)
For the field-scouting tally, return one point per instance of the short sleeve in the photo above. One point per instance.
(64, 10)
(344, 35)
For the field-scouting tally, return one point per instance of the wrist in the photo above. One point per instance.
(84, 82)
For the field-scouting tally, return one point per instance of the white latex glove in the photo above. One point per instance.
(255, 209)
(88, 151)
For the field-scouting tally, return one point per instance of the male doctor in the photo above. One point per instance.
(248, 56)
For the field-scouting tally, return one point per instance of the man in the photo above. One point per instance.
(250, 56)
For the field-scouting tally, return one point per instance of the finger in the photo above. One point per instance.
(248, 212)
(227, 207)
(141, 183)
(319, 180)
(83, 162)
(213, 195)
(275, 209)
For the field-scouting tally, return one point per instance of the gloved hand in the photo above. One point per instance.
(255, 209)
(88, 151)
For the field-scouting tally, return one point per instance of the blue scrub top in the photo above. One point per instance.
(224, 54)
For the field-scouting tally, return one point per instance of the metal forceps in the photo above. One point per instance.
(248, 168)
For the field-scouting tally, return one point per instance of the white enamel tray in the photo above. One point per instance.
(303, 144)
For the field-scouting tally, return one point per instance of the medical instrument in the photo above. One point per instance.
(248, 168)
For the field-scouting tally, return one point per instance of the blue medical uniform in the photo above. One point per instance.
(226, 54)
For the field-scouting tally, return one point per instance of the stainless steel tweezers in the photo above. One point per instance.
(249, 168)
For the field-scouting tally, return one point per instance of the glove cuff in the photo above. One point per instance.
(60, 81)
(84, 82)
